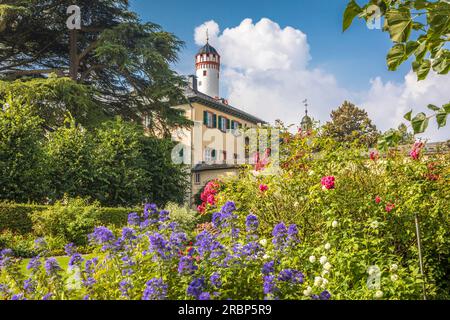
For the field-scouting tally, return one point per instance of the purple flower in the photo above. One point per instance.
(186, 265)
(69, 249)
(52, 267)
(151, 214)
(19, 296)
(163, 216)
(76, 260)
(89, 282)
(291, 275)
(269, 285)
(40, 244)
(102, 235)
(124, 287)
(90, 266)
(34, 264)
(279, 236)
(325, 295)
(315, 297)
(204, 296)
(29, 285)
(196, 287)
(215, 280)
(134, 219)
(252, 223)
(5, 257)
(293, 233)
(178, 238)
(155, 290)
(160, 245)
(268, 267)
(48, 296)
(128, 234)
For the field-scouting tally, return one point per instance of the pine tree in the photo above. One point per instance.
(125, 61)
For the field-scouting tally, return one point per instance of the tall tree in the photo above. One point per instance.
(349, 123)
(125, 61)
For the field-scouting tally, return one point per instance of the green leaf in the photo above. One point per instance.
(442, 64)
(433, 107)
(400, 24)
(408, 116)
(441, 118)
(411, 47)
(422, 69)
(446, 107)
(420, 123)
(352, 10)
(396, 56)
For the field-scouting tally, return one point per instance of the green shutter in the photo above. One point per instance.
(214, 121)
(228, 124)
(220, 123)
(213, 154)
(205, 118)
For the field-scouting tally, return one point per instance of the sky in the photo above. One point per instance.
(275, 54)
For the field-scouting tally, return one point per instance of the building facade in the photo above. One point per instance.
(216, 145)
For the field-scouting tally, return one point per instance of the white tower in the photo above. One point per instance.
(207, 64)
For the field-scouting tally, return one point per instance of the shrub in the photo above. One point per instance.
(186, 218)
(72, 221)
(374, 202)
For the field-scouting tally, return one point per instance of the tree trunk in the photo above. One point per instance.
(73, 55)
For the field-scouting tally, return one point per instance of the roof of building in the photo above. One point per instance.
(196, 96)
(207, 48)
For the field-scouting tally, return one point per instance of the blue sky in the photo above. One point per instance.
(354, 57)
(295, 50)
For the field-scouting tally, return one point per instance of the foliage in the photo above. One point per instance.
(127, 62)
(374, 202)
(349, 124)
(186, 218)
(151, 260)
(69, 156)
(52, 98)
(72, 220)
(113, 163)
(21, 173)
(395, 137)
(417, 27)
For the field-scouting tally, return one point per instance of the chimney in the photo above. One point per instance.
(192, 82)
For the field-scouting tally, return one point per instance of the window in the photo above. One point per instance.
(197, 178)
(210, 155)
(224, 155)
(204, 73)
(199, 83)
(209, 119)
(223, 124)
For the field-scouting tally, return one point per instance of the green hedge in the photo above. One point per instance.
(16, 217)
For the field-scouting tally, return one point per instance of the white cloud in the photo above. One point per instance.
(265, 71)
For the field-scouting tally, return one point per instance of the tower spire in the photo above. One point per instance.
(207, 35)
(305, 102)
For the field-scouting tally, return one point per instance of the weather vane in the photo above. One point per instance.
(305, 102)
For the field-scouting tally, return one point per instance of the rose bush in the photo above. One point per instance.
(373, 196)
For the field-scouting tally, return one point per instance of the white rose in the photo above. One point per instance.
(335, 224)
(375, 224)
(323, 260)
(312, 259)
(394, 277)
(307, 292)
(379, 294)
(327, 266)
(327, 246)
(266, 256)
(263, 242)
(317, 281)
(394, 268)
(324, 283)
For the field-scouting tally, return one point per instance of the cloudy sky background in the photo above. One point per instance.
(268, 68)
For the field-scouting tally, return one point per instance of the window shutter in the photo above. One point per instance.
(228, 124)
(214, 121)
(213, 153)
(205, 118)
(220, 123)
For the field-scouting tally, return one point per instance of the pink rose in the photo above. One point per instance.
(328, 183)
(263, 187)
